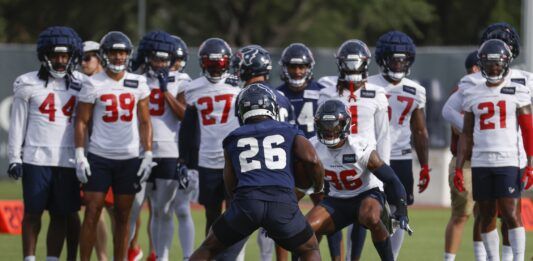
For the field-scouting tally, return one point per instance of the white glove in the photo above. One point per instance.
(83, 170)
(146, 166)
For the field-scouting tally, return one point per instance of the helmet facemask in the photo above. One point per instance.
(112, 60)
(296, 82)
(215, 67)
(330, 130)
(353, 68)
(396, 66)
(55, 61)
(494, 67)
(156, 61)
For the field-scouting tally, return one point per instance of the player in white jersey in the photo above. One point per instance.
(368, 106)
(493, 110)
(452, 110)
(116, 102)
(354, 172)
(210, 100)
(395, 53)
(41, 138)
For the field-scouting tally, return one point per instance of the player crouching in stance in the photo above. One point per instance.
(258, 176)
(40, 141)
(116, 102)
(353, 170)
(493, 110)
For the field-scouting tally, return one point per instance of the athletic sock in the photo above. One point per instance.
(396, 242)
(449, 257)
(29, 258)
(358, 237)
(266, 245)
(507, 253)
(517, 238)
(491, 240)
(384, 249)
(185, 223)
(52, 258)
(479, 251)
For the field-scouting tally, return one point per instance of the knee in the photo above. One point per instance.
(183, 211)
(459, 220)
(34, 219)
(370, 219)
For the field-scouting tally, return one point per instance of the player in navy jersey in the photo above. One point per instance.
(299, 87)
(253, 64)
(258, 176)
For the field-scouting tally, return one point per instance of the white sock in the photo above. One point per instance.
(52, 258)
(507, 253)
(241, 255)
(491, 240)
(396, 241)
(182, 207)
(517, 238)
(162, 199)
(349, 243)
(266, 245)
(29, 258)
(479, 251)
(449, 257)
(136, 209)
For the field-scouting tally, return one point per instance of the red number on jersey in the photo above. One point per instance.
(157, 100)
(126, 102)
(389, 109)
(48, 107)
(353, 111)
(483, 118)
(208, 101)
(346, 179)
(407, 108)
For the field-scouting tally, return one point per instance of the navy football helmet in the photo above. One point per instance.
(59, 39)
(182, 52)
(257, 99)
(332, 122)
(251, 61)
(214, 55)
(495, 56)
(353, 58)
(297, 54)
(395, 53)
(112, 41)
(157, 50)
(504, 32)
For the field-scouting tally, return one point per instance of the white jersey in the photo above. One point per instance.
(369, 112)
(404, 98)
(115, 130)
(216, 114)
(345, 167)
(452, 109)
(496, 137)
(41, 130)
(165, 124)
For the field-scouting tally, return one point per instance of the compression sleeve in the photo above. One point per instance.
(387, 176)
(189, 138)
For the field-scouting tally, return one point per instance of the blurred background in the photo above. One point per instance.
(444, 32)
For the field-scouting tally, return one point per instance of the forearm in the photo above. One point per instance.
(177, 108)
(421, 142)
(145, 131)
(316, 169)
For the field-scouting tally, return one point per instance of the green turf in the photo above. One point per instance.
(427, 242)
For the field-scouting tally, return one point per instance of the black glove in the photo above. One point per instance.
(15, 170)
(162, 76)
(401, 216)
(183, 176)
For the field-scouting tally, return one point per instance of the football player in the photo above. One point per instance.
(258, 176)
(492, 111)
(353, 170)
(41, 138)
(210, 116)
(462, 202)
(90, 63)
(367, 103)
(452, 109)
(116, 102)
(395, 53)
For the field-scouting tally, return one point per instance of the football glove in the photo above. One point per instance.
(423, 182)
(400, 216)
(527, 178)
(162, 76)
(458, 180)
(83, 170)
(183, 176)
(15, 170)
(193, 188)
(146, 166)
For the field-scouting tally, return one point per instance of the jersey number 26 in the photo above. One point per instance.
(275, 158)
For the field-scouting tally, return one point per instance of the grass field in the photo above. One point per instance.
(427, 242)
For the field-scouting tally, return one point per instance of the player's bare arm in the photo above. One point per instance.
(466, 140)
(305, 152)
(83, 117)
(230, 180)
(421, 141)
(145, 124)
(177, 106)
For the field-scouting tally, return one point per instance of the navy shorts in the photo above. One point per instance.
(56, 189)
(212, 190)
(165, 169)
(404, 171)
(489, 183)
(121, 175)
(345, 211)
(283, 221)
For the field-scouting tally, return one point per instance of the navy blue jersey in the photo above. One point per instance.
(304, 105)
(261, 154)
(286, 112)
